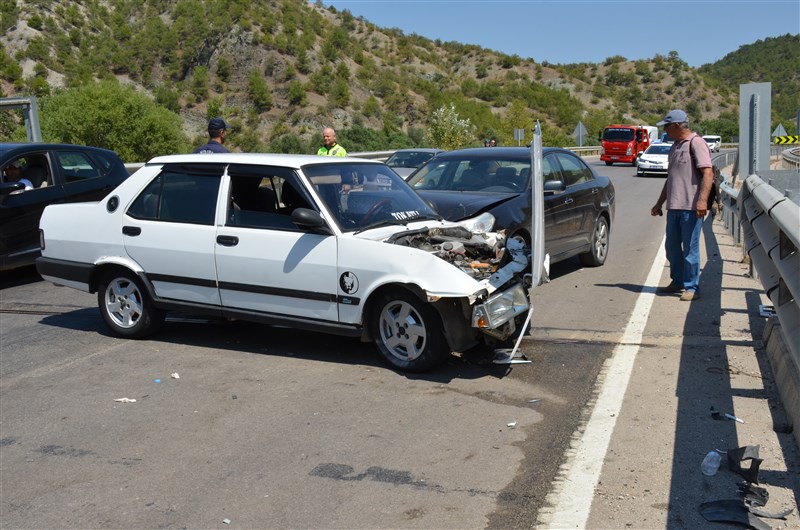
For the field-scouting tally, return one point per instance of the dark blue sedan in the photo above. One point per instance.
(34, 175)
(579, 205)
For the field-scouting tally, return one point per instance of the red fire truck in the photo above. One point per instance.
(624, 143)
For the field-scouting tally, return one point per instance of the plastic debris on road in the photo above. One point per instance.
(125, 400)
(175, 375)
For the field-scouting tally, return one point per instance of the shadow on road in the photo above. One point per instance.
(260, 339)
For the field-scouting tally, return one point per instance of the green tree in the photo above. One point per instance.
(258, 91)
(447, 131)
(199, 87)
(297, 94)
(224, 69)
(112, 116)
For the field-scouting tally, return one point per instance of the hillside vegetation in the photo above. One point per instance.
(281, 70)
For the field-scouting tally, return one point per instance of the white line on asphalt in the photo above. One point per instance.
(572, 498)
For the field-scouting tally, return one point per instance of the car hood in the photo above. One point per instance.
(458, 205)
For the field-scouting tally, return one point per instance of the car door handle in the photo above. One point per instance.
(568, 200)
(131, 230)
(228, 241)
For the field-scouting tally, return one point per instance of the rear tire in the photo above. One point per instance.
(126, 306)
(596, 256)
(408, 331)
(609, 163)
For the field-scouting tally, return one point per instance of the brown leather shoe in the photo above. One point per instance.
(671, 288)
(688, 296)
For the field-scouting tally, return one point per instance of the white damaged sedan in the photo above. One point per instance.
(339, 245)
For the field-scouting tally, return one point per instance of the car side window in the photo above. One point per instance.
(550, 170)
(264, 197)
(76, 166)
(575, 171)
(181, 195)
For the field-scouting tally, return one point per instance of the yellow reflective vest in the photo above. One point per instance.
(336, 150)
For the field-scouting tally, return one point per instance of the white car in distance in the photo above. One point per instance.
(654, 160)
(339, 245)
(713, 142)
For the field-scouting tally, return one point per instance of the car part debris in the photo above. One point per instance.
(753, 495)
(734, 418)
(748, 452)
(766, 311)
(731, 511)
(125, 400)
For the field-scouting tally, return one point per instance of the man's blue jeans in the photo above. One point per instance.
(683, 248)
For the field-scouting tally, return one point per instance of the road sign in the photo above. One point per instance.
(786, 139)
(580, 133)
(779, 131)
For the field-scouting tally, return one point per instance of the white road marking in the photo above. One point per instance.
(571, 500)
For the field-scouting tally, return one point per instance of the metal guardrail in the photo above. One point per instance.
(771, 226)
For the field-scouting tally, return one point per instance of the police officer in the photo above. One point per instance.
(331, 148)
(217, 132)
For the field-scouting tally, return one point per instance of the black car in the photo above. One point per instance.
(405, 161)
(579, 205)
(34, 175)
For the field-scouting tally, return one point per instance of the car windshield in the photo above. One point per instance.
(487, 175)
(658, 149)
(408, 159)
(360, 195)
(618, 135)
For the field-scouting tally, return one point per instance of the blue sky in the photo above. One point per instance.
(571, 31)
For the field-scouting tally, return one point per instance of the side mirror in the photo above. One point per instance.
(553, 186)
(7, 188)
(310, 220)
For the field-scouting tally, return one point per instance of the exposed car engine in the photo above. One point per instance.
(481, 255)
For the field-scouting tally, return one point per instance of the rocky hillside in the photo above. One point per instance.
(282, 69)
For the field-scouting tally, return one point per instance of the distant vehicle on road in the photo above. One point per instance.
(713, 142)
(624, 143)
(579, 205)
(58, 173)
(654, 160)
(406, 161)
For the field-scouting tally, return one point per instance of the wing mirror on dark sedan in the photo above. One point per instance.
(553, 186)
(7, 188)
(310, 220)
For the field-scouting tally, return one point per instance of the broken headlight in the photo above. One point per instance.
(500, 308)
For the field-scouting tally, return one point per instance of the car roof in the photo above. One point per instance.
(37, 146)
(419, 150)
(264, 159)
(495, 152)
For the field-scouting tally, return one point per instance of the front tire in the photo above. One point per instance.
(408, 332)
(596, 256)
(126, 306)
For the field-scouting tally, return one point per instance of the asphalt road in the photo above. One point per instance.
(270, 427)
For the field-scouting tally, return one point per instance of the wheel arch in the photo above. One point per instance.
(108, 267)
(457, 331)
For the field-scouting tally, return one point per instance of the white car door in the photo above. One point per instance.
(265, 264)
(169, 230)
